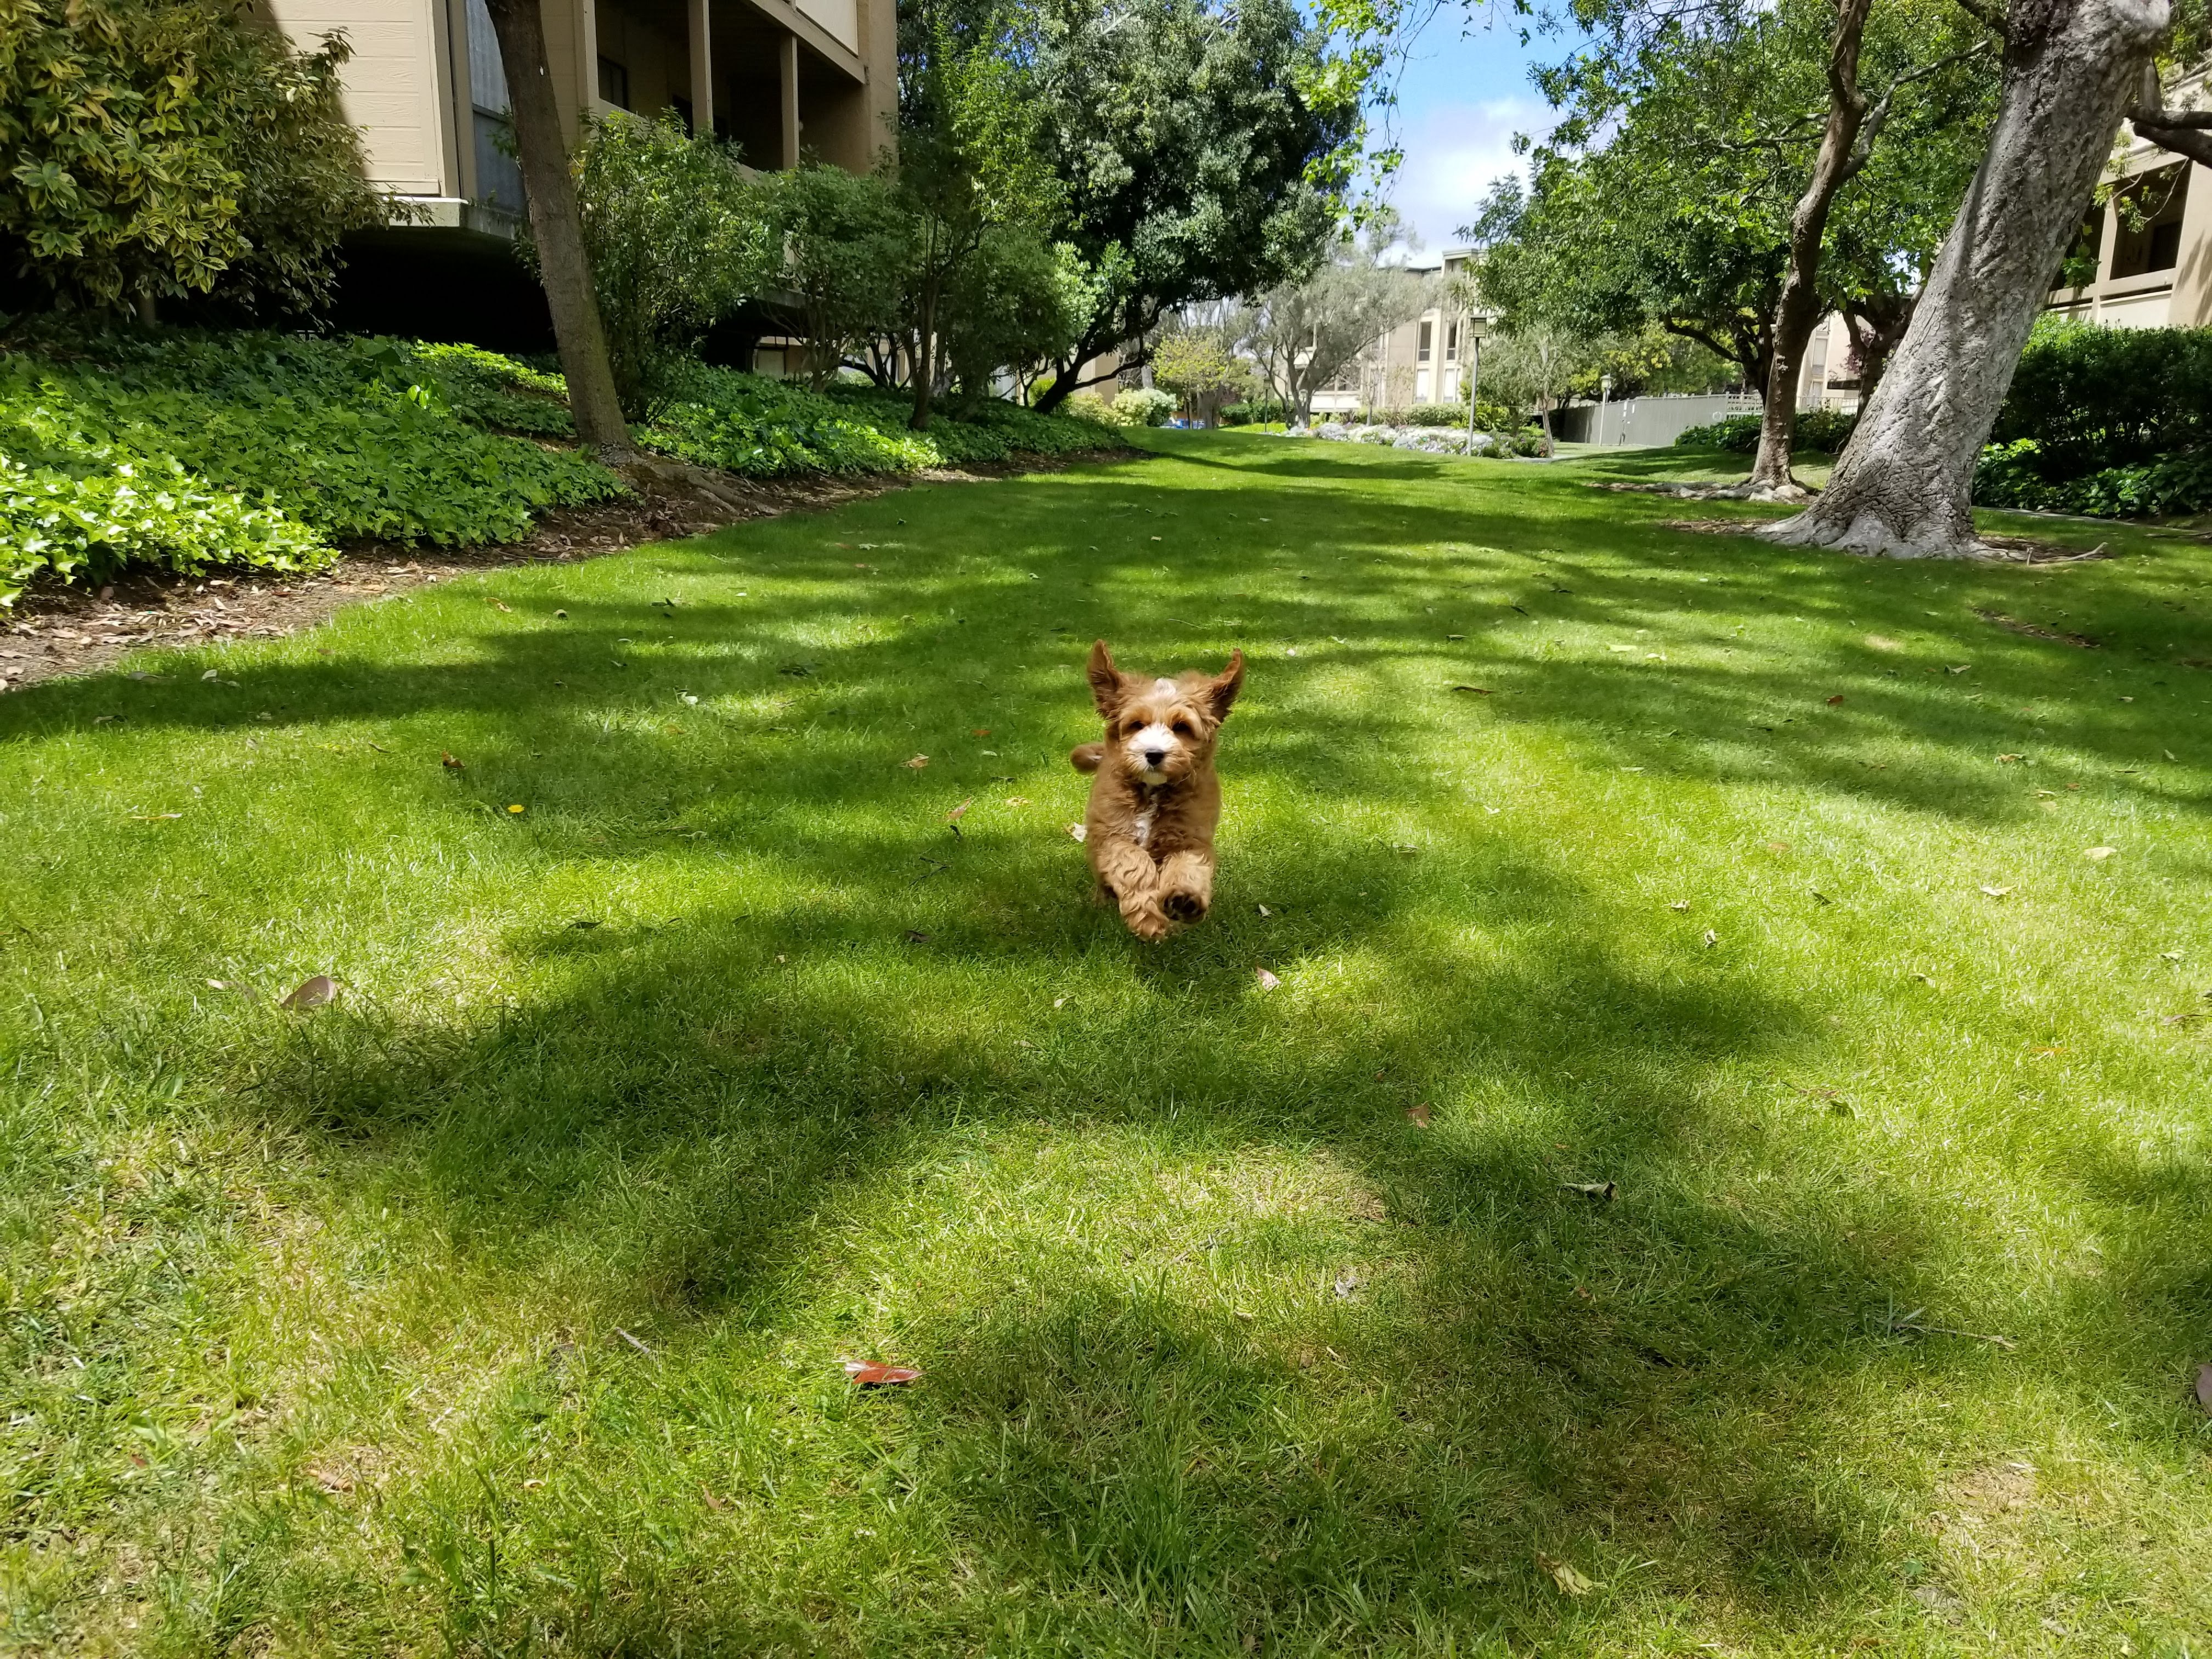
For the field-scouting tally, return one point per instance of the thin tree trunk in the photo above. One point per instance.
(925, 369)
(1904, 485)
(557, 226)
(1800, 306)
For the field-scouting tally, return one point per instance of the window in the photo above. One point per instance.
(499, 176)
(1451, 341)
(2147, 238)
(1428, 333)
(614, 83)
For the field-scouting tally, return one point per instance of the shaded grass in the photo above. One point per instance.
(499, 1306)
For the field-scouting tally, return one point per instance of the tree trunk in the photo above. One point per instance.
(1800, 306)
(925, 367)
(1876, 326)
(1904, 486)
(557, 228)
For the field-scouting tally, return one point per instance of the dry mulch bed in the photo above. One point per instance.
(54, 631)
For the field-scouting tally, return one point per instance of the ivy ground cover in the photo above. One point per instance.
(1722, 1165)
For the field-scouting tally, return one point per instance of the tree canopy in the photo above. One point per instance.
(1203, 153)
(1664, 195)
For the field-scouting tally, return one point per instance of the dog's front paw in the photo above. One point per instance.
(1146, 923)
(1183, 905)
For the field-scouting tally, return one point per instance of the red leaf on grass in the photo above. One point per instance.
(313, 992)
(1833, 701)
(869, 1373)
(447, 760)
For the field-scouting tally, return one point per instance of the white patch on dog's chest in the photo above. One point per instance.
(1141, 830)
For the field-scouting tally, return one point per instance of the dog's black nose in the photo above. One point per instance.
(1154, 756)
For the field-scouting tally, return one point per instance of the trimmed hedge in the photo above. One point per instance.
(1825, 431)
(2111, 422)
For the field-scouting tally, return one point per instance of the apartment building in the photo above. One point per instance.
(1418, 361)
(2150, 243)
(780, 79)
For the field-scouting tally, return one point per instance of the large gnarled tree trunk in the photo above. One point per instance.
(558, 228)
(1904, 485)
(1840, 156)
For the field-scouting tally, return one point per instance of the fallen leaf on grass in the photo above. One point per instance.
(981, 731)
(1564, 1574)
(2100, 854)
(915, 936)
(1478, 691)
(1777, 846)
(954, 816)
(916, 763)
(516, 807)
(1604, 1191)
(1833, 701)
(1267, 981)
(1679, 904)
(1346, 1283)
(2006, 760)
(869, 1374)
(1711, 938)
(312, 994)
(1263, 910)
(1420, 1114)
(155, 817)
(1018, 800)
(2205, 1387)
(1077, 831)
(1996, 892)
(446, 760)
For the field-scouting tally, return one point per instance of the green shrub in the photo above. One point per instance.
(1738, 433)
(2014, 475)
(1144, 405)
(2093, 398)
(1257, 412)
(1827, 430)
(676, 237)
(157, 149)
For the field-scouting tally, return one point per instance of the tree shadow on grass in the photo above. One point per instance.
(705, 1106)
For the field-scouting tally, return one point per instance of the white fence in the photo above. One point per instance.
(1647, 422)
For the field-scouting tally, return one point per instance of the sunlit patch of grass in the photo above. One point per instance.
(502, 1305)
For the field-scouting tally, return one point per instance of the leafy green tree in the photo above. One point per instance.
(155, 149)
(1203, 153)
(1304, 334)
(844, 244)
(1199, 366)
(972, 180)
(1677, 189)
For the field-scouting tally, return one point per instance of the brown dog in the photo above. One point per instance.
(1155, 802)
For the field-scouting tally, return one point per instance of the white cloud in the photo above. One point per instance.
(1454, 154)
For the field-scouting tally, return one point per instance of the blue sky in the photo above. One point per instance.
(1463, 92)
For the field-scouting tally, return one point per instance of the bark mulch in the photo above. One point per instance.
(53, 631)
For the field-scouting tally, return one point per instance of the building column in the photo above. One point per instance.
(787, 55)
(702, 71)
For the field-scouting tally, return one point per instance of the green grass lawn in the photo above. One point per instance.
(499, 1308)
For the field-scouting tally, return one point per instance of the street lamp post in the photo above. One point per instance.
(1604, 396)
(1473, 379)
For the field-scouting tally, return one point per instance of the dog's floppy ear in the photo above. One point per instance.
(1221, 690)
(1105, 680)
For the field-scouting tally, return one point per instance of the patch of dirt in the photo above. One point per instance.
(54, 631)
(2035, 631)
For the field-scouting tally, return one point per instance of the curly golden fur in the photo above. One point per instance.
(1155, 800)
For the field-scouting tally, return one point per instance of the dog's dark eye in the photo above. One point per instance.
(1182, 729)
